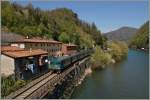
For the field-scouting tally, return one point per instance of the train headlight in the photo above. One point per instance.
(46, 60)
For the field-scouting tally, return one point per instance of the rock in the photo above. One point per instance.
(113, 61)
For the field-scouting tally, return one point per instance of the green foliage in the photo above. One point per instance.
(118, 50)
(64, 38)
(93, 31)
(60, 24)
(124, 48)
(100, 58)
(9, 85)
(86, 41)
(141, 38)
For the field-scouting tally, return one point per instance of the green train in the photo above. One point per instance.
(59, 64)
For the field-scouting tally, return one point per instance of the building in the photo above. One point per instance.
(69, 49)
(10, 48)
(52, 47)
(7, 63)
(23, 63)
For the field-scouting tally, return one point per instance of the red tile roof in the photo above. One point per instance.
(36, 41)
(24, 53)
(10, 48)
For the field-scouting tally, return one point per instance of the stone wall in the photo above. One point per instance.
(7, 65)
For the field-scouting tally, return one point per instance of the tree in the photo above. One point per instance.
(141, 39)
(123, 46)
(64, 37)
(118, 50)
(99, 58)
(60, 24)
(86, 41)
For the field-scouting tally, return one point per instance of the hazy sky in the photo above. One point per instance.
(107, 15)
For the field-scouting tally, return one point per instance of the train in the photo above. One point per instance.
(59, 64)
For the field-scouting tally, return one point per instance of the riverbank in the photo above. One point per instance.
(115, 52)
(144, 50)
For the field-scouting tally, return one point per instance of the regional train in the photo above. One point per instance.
(59, 64)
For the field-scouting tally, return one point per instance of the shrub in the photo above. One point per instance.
(9, 84)
(118, 50)
(99, 58)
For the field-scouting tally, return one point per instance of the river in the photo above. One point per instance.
(126, 79)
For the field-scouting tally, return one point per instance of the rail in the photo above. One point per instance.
(35, 87)
(29, 85)
(29, 90)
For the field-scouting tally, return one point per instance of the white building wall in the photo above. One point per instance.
(19, 45)
(22, 46)
(7, 65)
(14, 44)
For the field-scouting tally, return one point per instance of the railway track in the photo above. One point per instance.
(31, 88)
(28, 86)
(35, 87)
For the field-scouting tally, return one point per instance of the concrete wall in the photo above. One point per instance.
(7, 65)
(14, 44)
(19, 45)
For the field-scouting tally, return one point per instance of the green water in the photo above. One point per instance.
(126, 79)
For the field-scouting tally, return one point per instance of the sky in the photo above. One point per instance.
(107, 15)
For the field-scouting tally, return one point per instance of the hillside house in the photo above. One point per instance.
(69, 49)
(52, 47)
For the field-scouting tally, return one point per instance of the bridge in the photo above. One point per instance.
(53, 83)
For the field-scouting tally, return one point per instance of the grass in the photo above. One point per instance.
(9, 84)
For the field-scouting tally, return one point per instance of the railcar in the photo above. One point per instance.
(74, 58)
(66, 62)
(62, 63)
(55, 64)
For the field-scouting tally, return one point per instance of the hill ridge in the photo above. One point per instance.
(124, 33)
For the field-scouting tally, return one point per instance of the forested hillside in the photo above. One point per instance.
(141, 38)
(60, 24)
(121, 34)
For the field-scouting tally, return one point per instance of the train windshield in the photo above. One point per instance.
(57, 60)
